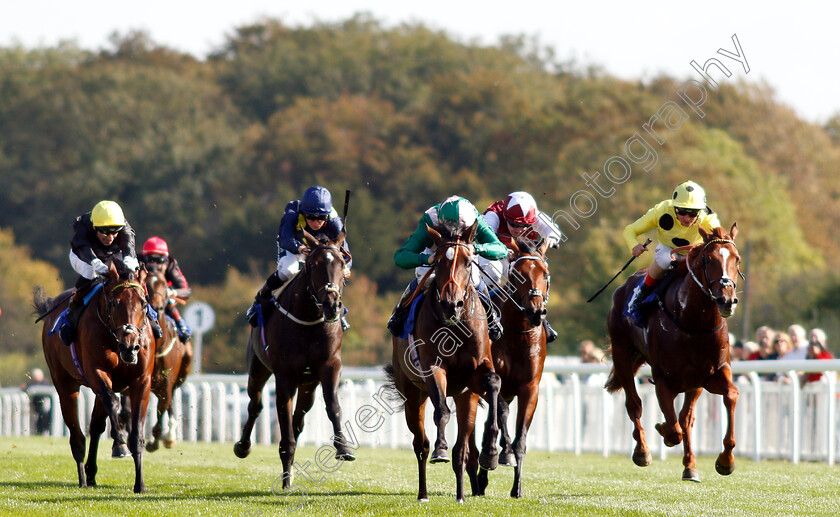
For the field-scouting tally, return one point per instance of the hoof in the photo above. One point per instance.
(723, 470)
(642, 459)
(242, 449)
(152, 446)
(439, 456)
(140, 489)
(659, 428)
(489, 461)
(168, 443)
(120, 450)
(507, 459)
(691, 475)
(345, 456)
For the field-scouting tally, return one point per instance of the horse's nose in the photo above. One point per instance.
(459, 304)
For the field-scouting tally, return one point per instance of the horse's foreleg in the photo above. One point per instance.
(721, 384)
(284, 398)
(687, 417)
(97, 427)
(258, 375)
(491, 384)
(670, 429)
(527, 404)
(304, 402)
(329, 382)
(465, 405)
(136, 439)
(506, 456)
(436, 387)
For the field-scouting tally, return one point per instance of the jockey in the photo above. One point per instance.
(99, 236)
(517, 217)
(676, 221)
(314, 213)
(156, 258)
(457, 214)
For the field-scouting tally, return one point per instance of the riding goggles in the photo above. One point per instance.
(691, 212)
(109, 230)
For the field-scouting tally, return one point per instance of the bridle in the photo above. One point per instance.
(128, 328)
(329, 287)
(531, 293)
(706, 285)
(452, 247)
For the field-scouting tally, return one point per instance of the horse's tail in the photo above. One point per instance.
(612, 385)
(390, 391)
(40, 301)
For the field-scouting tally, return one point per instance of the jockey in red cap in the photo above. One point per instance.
(156, 258)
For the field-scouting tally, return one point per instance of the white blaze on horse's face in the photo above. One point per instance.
(724, 253)
(450, 253)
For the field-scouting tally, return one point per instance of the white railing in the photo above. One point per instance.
(775, 419)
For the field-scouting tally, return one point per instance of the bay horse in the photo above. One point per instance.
(172, 363)
(449, 355)
(300, 343)
(113, 352)
(686, 344)
(519, 356)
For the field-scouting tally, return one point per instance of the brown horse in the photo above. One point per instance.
(113, 352)
(449, 356)
(172, 363)
(300, 343)
(519, 355)
(686, 344)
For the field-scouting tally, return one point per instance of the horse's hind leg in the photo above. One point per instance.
(258, 375)
(329, 382)
(164, 400)
(436, 387)
(69, 401)
(687, 417)
(721, 384)
(506, 456)
(626, 362)
(465, 405)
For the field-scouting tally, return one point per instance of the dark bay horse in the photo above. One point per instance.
(519, 355)
(449, 356)
(301, 345)
(686, 344)
(172, 363)
(113, 352)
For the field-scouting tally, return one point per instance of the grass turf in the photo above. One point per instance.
(37, 477)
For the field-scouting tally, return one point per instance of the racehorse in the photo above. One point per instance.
(113, 352)
(449, 355)
(686, 344)
(519, 355)
(172, 363)
(300, 343)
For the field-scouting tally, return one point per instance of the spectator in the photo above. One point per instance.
(781, 345)
(750, 348)
(41, 402)
(798, 341)
(764, 338)
(816, 350)
(589, 353)
(736, 351)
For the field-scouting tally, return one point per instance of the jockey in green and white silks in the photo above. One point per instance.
(456, 214)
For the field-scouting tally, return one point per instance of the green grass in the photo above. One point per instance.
(37, 477)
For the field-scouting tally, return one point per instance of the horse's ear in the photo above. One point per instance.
(543, 248)
(141, 277)
(434, 234)
(340, 239)
(112, 271)
(733, 232)
(703, 233)
(310, 241)
(514, 246)
(469, 233)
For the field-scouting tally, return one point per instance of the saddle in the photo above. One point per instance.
(639, 315)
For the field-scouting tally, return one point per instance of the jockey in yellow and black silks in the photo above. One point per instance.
(676, 221)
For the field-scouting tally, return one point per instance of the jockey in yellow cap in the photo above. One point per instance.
(676, 221)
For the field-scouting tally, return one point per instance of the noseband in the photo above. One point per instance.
(128, 328)
(706, 286)
(329, 287)
(531, 292)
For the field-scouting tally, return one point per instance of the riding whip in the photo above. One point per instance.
(55, 306)
(346, 205)
(616, 275)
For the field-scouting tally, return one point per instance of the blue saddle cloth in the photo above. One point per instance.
(62, 318)
(408, 325)
(639, 314)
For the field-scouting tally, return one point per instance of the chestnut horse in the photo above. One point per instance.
(172, 363)
(300, 343)
(449, 355)
(686, 343)
(113, 352)
(519, 355)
